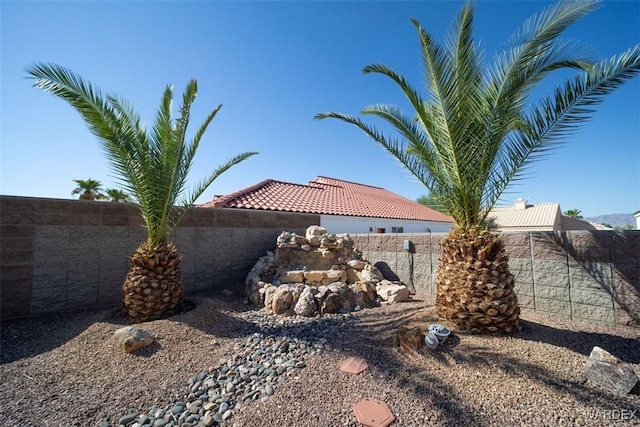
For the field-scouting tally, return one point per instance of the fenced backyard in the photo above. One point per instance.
(64, 255)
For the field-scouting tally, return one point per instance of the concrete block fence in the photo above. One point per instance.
(61, 255)
(592, 275)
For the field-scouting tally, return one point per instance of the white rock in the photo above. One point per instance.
(132, 338)
(391, 292)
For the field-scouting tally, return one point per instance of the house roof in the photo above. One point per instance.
(538, 215)
(328, 196)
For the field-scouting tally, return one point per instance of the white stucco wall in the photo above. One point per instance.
(355, 224)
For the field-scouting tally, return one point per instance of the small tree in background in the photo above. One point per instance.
(88, 189)
(117, 196)
(574, 213)
(431, 202)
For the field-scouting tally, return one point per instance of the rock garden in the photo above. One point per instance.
(319, 273)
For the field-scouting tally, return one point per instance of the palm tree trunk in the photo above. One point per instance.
(153, 286)
(475, 287)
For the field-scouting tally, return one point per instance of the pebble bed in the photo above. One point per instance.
(275, 348)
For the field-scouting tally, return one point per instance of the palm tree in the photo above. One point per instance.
(477, 129)
(153, 167)
(117, 196)
(431, 202)
(88, 189)
(574, 213)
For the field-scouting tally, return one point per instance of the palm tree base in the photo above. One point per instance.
(153, 287)
(475, 287)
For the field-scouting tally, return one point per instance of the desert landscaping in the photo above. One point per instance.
(75, 374)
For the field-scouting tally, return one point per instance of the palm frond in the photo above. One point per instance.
(153, 167)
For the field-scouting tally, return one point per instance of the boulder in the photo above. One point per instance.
(392, 292)
(609, 372)
(132, 338)
(314, 234)
(306, 305)
(332, 303)
(282, 299)
(269, 291)
(371, 274)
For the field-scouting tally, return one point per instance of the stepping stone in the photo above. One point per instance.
(373, 413)
(353, 365)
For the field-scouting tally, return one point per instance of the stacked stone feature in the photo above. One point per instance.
(319, 273)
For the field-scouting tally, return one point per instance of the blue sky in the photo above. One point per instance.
(274, 65)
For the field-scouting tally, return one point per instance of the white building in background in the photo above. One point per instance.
(539, 217)
(637, 216)
(343, 206)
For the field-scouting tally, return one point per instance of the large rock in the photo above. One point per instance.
(609, 372)
(332, 303)
(306, 305)
(132, 338)
(371, 274)
(282, 300)
(269, 291)
(314, 234)
(392, 292)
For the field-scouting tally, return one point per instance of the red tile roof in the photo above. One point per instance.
(328, 196)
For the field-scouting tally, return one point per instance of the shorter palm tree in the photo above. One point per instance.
(118, 196)
(88, 189)
(153, 167)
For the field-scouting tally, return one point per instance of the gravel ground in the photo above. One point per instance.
(66, 371)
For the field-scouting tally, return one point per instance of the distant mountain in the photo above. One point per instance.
(616, 220)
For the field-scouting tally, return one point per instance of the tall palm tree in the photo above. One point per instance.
(88, 189)
(117, 196)
(153, 167)
(475, 130)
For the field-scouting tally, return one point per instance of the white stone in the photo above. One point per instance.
(306, 305)
(314, 234)
(391, 292)
(132, 338)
